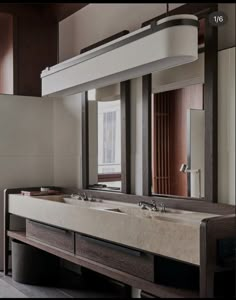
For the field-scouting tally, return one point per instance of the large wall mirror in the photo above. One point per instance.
(177, 155)
(108, 149)
(178, 128)
(104, 116)
(180, 114)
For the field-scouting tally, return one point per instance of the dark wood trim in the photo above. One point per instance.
(125, 137)
(6, 227)
(54, 11)
(153, 288)
(6, 222)
(211, 231)
(51, 235)
(15, 55)
(146, 133)
(211, 111)
(128, 260)
(109, 177)
(32, 30)
(60, 11)
(85, 141)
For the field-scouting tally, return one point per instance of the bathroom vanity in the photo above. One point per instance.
(176, 253)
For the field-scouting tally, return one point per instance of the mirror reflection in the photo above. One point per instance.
(105, 138)
(178, 142)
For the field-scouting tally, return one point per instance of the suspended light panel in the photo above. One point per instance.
(170, 42)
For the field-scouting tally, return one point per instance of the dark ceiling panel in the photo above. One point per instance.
(53, 11)
(61, 11)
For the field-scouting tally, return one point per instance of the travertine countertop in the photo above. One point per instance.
(175, 233)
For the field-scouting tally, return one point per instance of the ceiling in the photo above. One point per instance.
(54, 11)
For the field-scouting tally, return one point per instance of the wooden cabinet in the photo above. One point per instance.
(128, 260)
(155, 275)
(53, 236)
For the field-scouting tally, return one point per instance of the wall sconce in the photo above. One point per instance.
(184, 169)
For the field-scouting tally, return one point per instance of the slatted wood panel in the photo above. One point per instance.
(161, 143)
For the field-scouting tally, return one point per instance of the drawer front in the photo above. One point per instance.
(53, 236)
(118, 257)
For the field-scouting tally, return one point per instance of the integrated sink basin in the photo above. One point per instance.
(110, 206)
(128, 209)
(174, 233)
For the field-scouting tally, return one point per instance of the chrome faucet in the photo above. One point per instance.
(162, 207)
(84, 196)
(152, 206)
(81, 196)
(145, 205)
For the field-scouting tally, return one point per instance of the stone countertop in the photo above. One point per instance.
(174, 234)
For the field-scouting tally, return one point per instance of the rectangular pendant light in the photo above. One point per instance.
(170, 42)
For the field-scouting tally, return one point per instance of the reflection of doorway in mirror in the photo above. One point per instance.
(169, 138)
(196, 149)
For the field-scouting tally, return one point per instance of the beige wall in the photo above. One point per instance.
(95, 22)
(26, 148)
(227, 34)
(40, 144)
(67, 141)
(226, 126)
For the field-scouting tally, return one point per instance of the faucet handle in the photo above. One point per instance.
(85, 197)
(154, 205)
(143, 206)
(163, 208)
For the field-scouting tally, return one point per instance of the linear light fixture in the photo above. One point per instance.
(169, 42)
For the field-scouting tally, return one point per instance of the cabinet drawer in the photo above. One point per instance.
(54, 236)
(118, 257)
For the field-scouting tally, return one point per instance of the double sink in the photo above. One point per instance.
(174, 233)
(172, 215)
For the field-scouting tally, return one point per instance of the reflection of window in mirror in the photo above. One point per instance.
(105, 138)
(178, 138)
(109, 144)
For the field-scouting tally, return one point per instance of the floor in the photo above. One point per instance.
(11, 289)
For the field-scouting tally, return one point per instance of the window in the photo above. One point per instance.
(109, 142)
(109, 137)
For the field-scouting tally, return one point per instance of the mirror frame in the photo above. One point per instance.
(210, 106)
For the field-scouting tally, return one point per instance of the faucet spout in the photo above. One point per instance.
(152, 206)
(146, 205)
